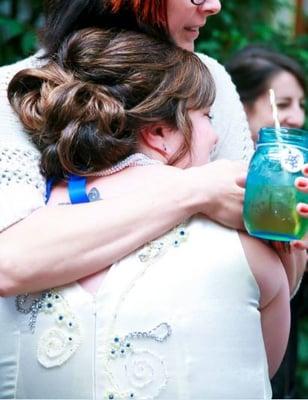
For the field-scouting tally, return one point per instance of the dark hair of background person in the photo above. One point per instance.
(253, 67)
(85, 108)
(62, 17)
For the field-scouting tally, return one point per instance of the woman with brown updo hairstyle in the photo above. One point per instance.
(176, 319)
(212, 189)
(215, 190)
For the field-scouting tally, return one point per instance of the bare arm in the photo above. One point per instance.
(294, 262)
(57, 245)
(275, 321)
(274, 298)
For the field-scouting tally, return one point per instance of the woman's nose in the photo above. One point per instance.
(295, 118)
(210, 7)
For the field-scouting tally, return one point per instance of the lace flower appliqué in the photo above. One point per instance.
(57, 344)
(136, 373)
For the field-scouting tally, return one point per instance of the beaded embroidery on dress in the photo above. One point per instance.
(57, 344)
(140, 373)
(158, 247)
(132, 369)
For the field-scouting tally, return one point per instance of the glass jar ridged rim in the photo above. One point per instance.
(283, 135)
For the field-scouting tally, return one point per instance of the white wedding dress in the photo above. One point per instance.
(176, 320)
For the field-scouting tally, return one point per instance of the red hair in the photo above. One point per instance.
(149, 12)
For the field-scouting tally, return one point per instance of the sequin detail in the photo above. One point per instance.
(140, 373)
(30, 304)
(158, 247)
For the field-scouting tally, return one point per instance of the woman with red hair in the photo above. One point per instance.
(106, 227)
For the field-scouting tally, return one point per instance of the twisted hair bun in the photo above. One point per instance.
(72, 122)
(29, 90)
(85, 107)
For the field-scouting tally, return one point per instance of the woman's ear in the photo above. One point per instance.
(157, 138)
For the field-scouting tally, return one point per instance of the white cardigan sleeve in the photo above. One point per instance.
(22, 187)
(229, 118)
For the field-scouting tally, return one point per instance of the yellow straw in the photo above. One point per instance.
(274, 108)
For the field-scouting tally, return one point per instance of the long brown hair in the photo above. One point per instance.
(85, 108)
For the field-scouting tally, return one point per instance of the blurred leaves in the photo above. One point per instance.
(248, 21)
(19, 21)
(302, 372)
(243, 22)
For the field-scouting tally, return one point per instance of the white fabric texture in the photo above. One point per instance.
(19, 159)
(229, 118)
(22, 187)
(176, 320)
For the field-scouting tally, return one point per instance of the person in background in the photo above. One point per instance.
(254, 70)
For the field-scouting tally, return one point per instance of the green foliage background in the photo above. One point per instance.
(241, 22)
(19, 20)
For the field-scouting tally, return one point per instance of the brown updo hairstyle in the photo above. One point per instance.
(85, 108)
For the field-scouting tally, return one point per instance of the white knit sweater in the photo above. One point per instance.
(22, 188)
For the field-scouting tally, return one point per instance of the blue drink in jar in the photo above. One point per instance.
(270, 196)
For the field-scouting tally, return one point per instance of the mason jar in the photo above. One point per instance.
(270, 196)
